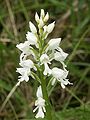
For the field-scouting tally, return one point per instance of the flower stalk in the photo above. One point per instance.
(42, 78)
(45, 94)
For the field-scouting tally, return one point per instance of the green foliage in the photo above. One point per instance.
(81, 113)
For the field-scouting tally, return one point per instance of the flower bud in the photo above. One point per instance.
(50, 27)
(41, 23)
(37, 17)
(39, 92)
(42, 13)
(32, 27)
(46, 17)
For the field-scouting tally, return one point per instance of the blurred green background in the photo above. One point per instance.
(73, 26)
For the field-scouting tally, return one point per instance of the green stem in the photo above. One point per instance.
(45, 95)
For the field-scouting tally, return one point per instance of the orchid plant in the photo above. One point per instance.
(36, 61)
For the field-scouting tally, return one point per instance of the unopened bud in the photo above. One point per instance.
(32, 27)
(46, 17)
(50, 27)
(42, 13)
(41, 23)
(37, 17)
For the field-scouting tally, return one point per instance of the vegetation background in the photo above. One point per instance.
(73, 26)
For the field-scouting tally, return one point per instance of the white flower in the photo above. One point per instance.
(61, 76)
(24, 47)
(46, 17)
(60, 56)
(54, 43)
(40, 104)
(44, 59)
(50, 27)
(25, 72)
(27, 63)
(37, 17)
(26, 50)
(32, 28)
(32, 39)
(57, 53)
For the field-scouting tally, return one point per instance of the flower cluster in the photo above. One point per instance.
(37, 55)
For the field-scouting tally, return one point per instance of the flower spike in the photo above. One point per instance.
(37, 56)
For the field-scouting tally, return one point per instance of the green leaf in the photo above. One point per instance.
(81, 113)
